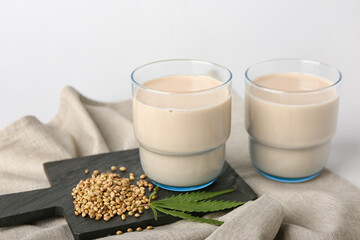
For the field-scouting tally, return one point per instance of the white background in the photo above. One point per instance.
(94, 46)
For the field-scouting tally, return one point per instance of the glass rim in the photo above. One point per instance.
(272, 90)
(139, 85)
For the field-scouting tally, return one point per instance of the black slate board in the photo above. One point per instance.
(24, 207)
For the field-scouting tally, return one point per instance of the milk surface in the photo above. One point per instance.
(182, 135)
(290, 132)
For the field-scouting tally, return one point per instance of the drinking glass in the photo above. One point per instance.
(290, 132)
(181, 134)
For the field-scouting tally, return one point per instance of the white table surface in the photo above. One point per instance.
(94, 46)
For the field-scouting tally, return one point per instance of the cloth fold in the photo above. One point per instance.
(327, 207)
(260, 219)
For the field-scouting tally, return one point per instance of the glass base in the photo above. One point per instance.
(288, 180)
(183, 189)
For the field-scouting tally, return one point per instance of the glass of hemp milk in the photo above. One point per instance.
(182, 116)
(291, 109)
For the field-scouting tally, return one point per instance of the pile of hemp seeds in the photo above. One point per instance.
(106, 195)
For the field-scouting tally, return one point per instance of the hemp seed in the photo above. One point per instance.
(105, 195)
(131, 176)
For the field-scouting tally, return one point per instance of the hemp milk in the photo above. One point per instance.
(290, 133)
(182, 134)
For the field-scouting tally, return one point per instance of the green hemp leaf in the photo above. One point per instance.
(180, 205)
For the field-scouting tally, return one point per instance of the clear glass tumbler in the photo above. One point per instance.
(291, 108)
(182, 131)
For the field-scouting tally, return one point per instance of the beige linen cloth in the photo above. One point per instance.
(327, 207)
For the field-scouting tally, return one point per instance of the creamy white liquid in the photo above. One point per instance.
(182, 136)
(290, 133)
